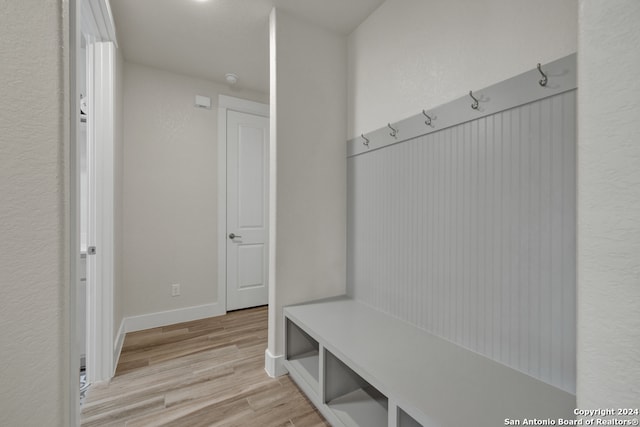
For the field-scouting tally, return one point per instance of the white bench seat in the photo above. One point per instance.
(420, 379)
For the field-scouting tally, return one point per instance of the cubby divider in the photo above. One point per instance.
(302, 353)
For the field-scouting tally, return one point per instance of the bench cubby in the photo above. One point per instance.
(406, 420)
(302, 353)
(351, 398)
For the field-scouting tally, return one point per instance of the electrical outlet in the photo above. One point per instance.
(175, 290)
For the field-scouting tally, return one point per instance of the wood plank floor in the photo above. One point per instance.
(204, 373)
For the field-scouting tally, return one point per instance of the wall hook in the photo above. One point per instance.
(475, 100)
(543, 80)
(428, 121)
(393, 132)
(366, 140)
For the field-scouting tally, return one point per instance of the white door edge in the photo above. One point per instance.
(228, 103)
(100, 267)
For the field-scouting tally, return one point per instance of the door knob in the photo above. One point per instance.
(233, 236)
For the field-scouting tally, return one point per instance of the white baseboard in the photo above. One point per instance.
(117, 345)
(273, 364)
(170, 317)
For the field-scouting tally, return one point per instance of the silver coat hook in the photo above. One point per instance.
(428, 121)
(543, 80)
(475, 100)
(366, 140)
(393, 132)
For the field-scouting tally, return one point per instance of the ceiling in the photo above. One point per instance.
(207, 39)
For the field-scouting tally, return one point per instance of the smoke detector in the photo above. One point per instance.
(231, 78)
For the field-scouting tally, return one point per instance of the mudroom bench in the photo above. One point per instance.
(361, 367)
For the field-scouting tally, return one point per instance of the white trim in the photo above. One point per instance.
(92, 319)
(97, 20)
(100, 155)
(170, 317)
(274, 365)
(222, 206)
(117, 345)
(394, 412)
(243, 105)
(72, 211)
(226, 103)
(273, 177)
(84, 21)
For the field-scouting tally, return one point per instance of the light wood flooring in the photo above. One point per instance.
(204, 373)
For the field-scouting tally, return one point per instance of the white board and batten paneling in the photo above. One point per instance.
(466, 228)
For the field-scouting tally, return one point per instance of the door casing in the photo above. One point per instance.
(91, 19)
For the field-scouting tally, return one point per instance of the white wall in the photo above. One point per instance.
(170, 189)
(308, 125)
(415, 54)
(609, 205)
(34, 376)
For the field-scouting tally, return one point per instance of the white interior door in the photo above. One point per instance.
(247, 207)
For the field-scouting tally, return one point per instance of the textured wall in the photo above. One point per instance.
(609, 205)
(308, 125)
(415, 54)
(170, 189)
(33, 353)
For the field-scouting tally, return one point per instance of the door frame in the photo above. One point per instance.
(93, 20)
(228, 103)
(72, 178)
